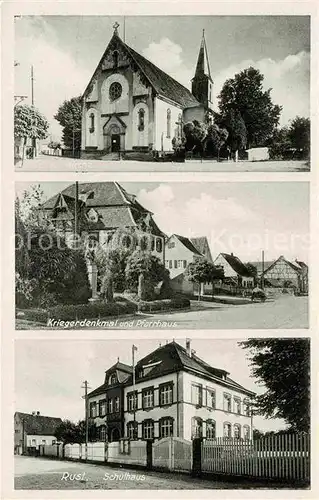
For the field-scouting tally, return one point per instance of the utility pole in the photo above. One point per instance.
(32, 87)
(134, 348)
(85, 386)
(262, 268)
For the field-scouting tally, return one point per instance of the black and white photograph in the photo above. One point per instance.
(134, 255)
(162, 93)
(171, 414)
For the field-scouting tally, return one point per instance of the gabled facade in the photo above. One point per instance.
(178, 394)
(132, 105)
(234, 270)
(33, 430)
(179, 252)
(285, 274)
(102, 209)
(106, 403)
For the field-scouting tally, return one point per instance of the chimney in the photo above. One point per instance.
(188, 347)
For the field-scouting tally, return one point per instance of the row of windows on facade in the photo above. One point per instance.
(230, 404)
(200, 428)
(33, 442)
(176, 264)
(141, 119)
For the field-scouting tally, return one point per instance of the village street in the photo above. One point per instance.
(42, 474)
(56, 164)
(285, 312)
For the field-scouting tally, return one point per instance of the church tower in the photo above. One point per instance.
(202, 83)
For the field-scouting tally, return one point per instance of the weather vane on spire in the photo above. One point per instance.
(116, 26)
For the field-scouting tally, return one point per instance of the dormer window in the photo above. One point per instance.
(112, 379)
(92, 215)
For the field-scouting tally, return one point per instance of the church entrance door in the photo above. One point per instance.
(115, 143)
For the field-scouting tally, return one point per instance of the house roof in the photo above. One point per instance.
(39, 424)
(115, 207)
(188, 244)
(163, 84)
(174, 357)
(282, 258)
(201, 243)
(259, 266)
(237, 265)
(123, 372)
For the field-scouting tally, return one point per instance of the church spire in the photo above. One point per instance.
(202, 83)
(202, 67)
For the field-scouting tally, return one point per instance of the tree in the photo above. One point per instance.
(29, 123)
(143, 272)
(216, 138)
(279, 143)
(69, 116)
(244, 94)
(283, 366)
(253, 270)
(195, 134)
(203, 271)
(299, 134)
(69, 432)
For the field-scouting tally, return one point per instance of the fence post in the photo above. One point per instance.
(172, 453)
(106, 444)
(197, 457)
(149, 454)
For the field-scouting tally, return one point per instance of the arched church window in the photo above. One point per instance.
(92, 124)
(115, 91)
(141, 116)
(115, 56)
(168, 118)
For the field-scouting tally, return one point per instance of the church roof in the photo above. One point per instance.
(202, 67)
(163, 84)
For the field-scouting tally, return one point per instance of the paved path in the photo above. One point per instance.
(284, 312)
(43, 474)
(58, 164)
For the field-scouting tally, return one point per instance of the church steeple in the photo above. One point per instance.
(202, 83)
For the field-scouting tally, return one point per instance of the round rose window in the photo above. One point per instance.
(115, 91)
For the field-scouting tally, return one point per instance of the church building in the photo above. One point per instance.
(133, 108)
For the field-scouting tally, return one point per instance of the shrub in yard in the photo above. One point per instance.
(164, 304)
(37, 315)
(91, 311)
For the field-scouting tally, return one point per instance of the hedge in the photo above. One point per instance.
(72, 312)
(164, 304)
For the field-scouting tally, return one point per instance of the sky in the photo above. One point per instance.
(49, 373)
(65, 51)
(240, 217)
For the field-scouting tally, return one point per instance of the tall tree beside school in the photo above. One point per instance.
(282, 366)
(69, 116)
(245, 96)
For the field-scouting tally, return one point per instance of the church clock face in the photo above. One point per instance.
(115, 91)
